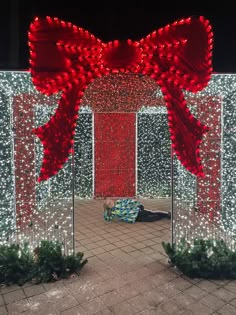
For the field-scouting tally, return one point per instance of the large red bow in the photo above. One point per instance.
(66, 58)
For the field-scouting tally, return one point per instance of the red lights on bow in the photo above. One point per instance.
(66, 58)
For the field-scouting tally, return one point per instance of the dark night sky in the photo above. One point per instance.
(118, 22)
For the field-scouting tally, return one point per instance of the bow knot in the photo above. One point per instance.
(121, 55)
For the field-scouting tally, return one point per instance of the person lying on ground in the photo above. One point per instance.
(130, 210)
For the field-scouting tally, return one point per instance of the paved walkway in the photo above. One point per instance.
(127, 273)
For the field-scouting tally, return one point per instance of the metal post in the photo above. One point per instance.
(172, 196)
(73, 196)
(136, 155)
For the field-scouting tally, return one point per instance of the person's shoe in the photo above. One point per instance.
(169, 215)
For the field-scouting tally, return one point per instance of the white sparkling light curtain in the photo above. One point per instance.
(206, 207)
(30, 211)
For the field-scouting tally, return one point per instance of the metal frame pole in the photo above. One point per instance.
(172, 196)
(73, 197)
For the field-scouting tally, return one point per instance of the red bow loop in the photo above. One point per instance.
(59, 53)
(183, 52)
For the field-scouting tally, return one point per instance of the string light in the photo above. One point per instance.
(153, 153)
(206, 207)
(30, 211)
(83, 154)
(136, 95)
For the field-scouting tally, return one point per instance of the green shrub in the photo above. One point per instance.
(210, 259)
(18, 264)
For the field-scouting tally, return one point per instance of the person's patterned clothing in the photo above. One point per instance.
(124, 210)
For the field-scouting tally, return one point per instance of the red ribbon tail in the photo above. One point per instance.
(186, 132)
(58, 133)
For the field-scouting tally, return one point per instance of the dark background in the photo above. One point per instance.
(115, 20)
